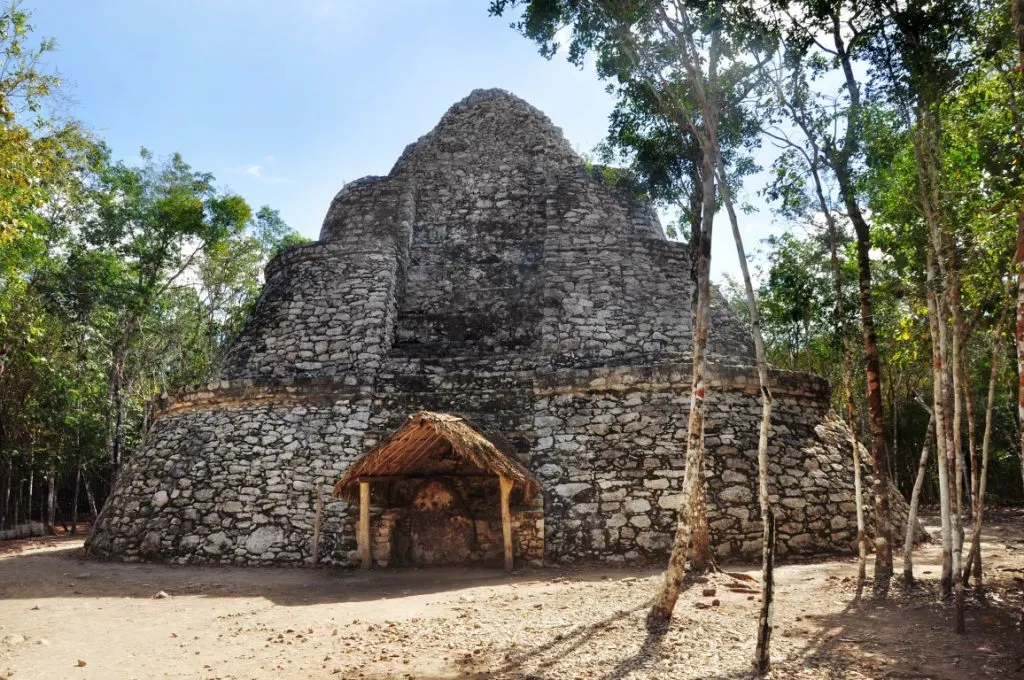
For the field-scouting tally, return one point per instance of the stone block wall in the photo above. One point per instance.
(236, 484)
(528, 534)
(614, 289)
(324, 311)
(229, 473)
(611, 459)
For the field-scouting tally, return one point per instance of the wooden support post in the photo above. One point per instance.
(315, 557)
(506, 520)
(364, 525)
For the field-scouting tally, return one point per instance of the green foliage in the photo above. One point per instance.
(954, 61)
(39, 151)
(651, 61)
(117, 281)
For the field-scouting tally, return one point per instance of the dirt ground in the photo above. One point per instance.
(62, 616)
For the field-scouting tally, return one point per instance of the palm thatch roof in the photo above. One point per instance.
(425, 436)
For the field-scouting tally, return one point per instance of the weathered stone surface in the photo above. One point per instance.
(492, 273)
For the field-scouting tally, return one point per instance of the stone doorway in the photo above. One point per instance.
(439, 491)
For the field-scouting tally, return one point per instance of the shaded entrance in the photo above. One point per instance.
(443, 492)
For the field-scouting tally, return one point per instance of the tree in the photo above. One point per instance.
(792, 99)
(707, 49)
(39, 150)
(158, 219)
(116, 283)
(1017, 25)
(830, 36)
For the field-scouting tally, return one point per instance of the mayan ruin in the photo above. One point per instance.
(494, 275)
(512, 340)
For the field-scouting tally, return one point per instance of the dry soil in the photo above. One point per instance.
(62, 616)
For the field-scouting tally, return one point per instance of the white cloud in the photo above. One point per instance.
(262, 173)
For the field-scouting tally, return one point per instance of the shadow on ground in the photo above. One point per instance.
(62, 570)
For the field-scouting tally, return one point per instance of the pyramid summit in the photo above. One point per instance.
(492, 278)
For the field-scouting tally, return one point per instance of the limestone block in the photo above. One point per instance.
(736, 494)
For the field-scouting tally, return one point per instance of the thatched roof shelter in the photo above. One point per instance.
(425, 436)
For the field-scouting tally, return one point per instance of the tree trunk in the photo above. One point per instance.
(115, 404)
(51, 502)
(700, 536)
(915, 500)
(959, 624)
(762, 657)
(17, 501)
(847, 379)
(690, 507)
(7, 494)
(74, 501)
(970, 482)
(926, 150)
(941, 438)
(1020, 345)
(974, 556)
(895, 453)
(858, 495)
(31, 487)
(879, 452)
(839, 161)
(1017, 19)
(767, 521)
(92, 499)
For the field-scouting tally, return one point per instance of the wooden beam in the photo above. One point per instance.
(426, 475)
(364, 525)
(506, 521)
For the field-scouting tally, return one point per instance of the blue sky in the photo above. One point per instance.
(286, 101)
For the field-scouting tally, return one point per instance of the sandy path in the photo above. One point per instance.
(57, 609)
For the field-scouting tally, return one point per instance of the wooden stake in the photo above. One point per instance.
(506, 520)
(315, 557)
(364, 524)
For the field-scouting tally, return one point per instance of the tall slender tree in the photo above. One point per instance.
(158, 219)
(791, 99)
(836, 33)
(713, 50)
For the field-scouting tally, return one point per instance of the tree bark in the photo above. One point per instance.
(915, 500)
(31, 487)
(767, 520)
(839, 161)
(74, 501)
(18, 499)
(974, 555)
(668, 594)
(938, 401)
(762, 656)
(700, 538)
(1017, 19)
(973, 559)
(847, 379)
(1020, 346)
(693, 508)
(876, 420)
(7, 494)
(115, 404)
(92, 499)
(970, 480)
(51, 502)
(926, 150)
